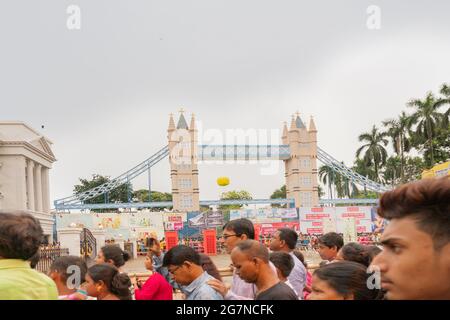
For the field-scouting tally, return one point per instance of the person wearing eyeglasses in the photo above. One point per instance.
(185, 268)
(234, 232)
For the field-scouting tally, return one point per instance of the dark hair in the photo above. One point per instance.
(300, 257)
(179, 254)
(427, 202)
(356, 252)
(34, 260)
(61, 265)
(347, 277)
(240, 227)
(372, 252)
(282, 261)
(289, 236)
(254, 249)
(20, 235)
(332, 239)
(116, 254)
(117, 283)
(209, 266)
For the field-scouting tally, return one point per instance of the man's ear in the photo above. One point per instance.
(244, 237)
(54, 275)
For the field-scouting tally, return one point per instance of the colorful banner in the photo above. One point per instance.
(268, 229)
(265, 214)
(318, 220)
(207, 219)
(125, 225)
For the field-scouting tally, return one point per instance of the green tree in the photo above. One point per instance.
(344, 186)
(425, 121)
(397, 129)
(119, 194)
(279, 194)
(374, 151)
(359, 166)
(392, 172)
(234, 195)
(142, 196)
(327, 175)
(414, 166)
(443, 101)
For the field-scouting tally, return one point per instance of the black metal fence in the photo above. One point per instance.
(48, 254)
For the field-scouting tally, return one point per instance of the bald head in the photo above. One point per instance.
(253, 249)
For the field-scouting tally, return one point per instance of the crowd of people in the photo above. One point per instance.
(413, 263)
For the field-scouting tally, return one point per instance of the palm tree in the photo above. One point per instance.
(345, 187)
(426, 120)
(328, 177)
(375, 153)
(397, 130)
(392, 172)
(445, 92)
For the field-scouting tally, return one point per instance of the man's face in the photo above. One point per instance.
(231, 239)
(327, 253)
(275, 243)
(245, 268)
(409, 265)
(180, 274)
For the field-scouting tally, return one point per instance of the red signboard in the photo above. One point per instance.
(267, 229)
(209, 242)
(171, 239)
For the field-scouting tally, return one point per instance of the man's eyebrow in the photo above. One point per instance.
(390, 241)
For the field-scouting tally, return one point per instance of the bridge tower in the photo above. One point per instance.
(301, 167)
(183, 161)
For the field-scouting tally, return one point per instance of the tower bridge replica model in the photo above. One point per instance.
(299, 152)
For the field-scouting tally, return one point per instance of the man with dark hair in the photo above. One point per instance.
(68, 273)
(251, 261)
(329, 245)
(415, 261)
(284, 264)
(234, 232)
(184, 265)
(285, 240)
(20, 238)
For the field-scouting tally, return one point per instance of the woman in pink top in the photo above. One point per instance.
(156, 287)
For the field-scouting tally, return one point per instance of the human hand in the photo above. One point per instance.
(219, 286)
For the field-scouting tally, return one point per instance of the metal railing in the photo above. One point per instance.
(47, 255)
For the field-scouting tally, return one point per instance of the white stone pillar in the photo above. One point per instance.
(120, 241)
(45, 190)
(38, 187)
(70, 238)
(134, 246)
(30, 184)
(100, 237)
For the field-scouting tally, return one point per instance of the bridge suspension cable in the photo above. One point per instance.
(355, 177)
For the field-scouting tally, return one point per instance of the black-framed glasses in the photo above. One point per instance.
(174, 270)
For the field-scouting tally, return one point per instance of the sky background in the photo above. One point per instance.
(104, 92)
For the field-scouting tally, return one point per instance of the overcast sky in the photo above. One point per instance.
(104, 92)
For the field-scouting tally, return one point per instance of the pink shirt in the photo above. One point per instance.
(308, 283)
(155, 288)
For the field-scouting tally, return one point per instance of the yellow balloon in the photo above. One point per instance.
(223, 181)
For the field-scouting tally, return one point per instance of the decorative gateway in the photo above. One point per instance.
(88, 245)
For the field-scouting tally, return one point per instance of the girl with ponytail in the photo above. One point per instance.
(105, 282)
(113, 255)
